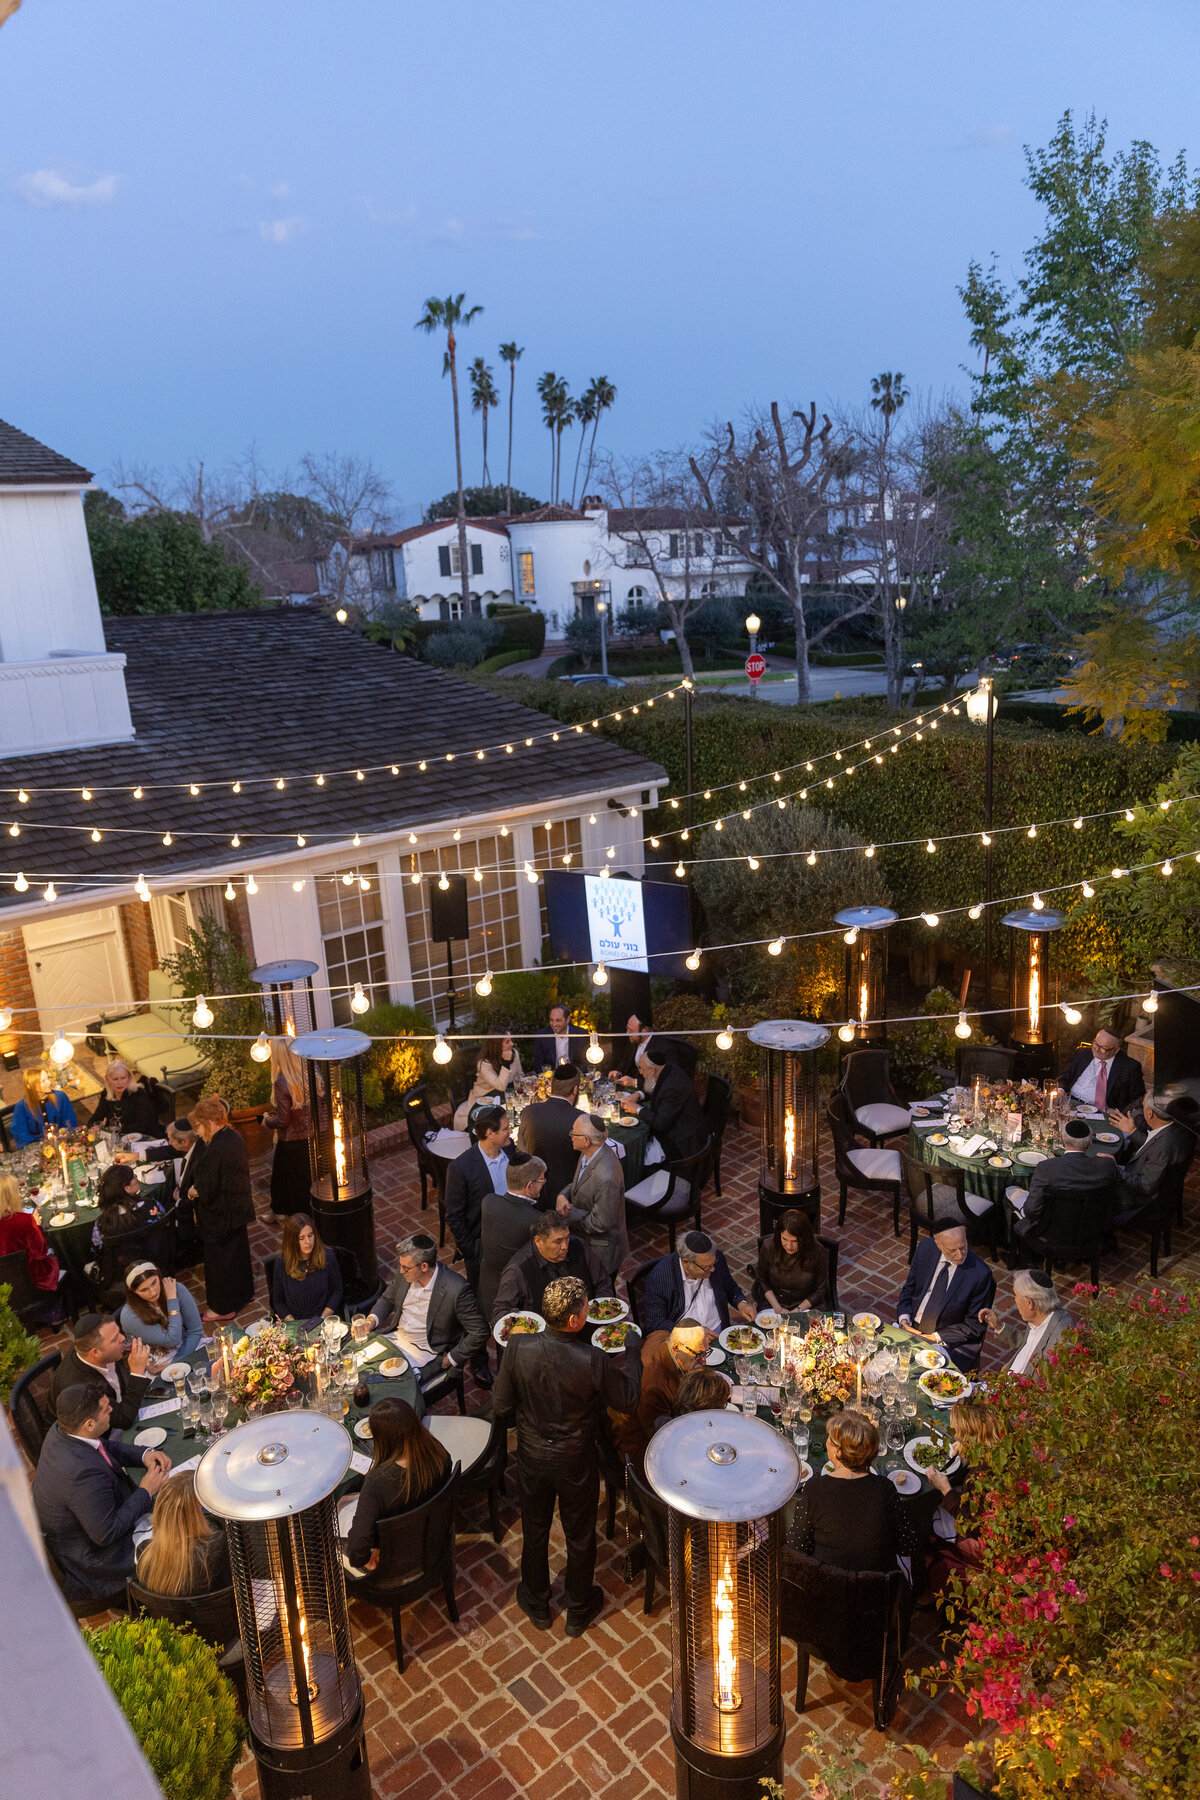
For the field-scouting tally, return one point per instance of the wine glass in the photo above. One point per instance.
(742, 1365)
(904, 1356)
(804, 1411)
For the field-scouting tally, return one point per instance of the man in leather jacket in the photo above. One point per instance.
(558, 1384)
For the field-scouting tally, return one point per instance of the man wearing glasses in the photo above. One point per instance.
(667, 1356)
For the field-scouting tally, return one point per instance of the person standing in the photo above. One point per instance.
(224, 1203)
(507, 1221)
(483, 1169)
(563, 1042)
(546, 1127)
(289, 1118)
(594, 1203)
(558, 1385)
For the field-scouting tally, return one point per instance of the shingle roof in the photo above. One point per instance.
(217, 697)
(23, 461)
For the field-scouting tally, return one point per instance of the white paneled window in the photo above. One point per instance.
(493, 914)
(352, 936)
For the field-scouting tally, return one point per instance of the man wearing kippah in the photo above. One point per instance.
(1079, 1192)
(1042, 1313)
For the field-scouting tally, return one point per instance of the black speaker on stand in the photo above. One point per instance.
(448, 923)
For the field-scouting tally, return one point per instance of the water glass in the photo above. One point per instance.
(331, 1331)
(800, 1440)
(895, 1438)
(908, 1409)
(904, 1357)
(750, 1401)
(360, 1331)
(742, 1365)
(197, 1382)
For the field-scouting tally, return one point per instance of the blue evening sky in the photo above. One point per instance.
(220, 221)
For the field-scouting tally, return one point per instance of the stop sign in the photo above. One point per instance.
(756, 666)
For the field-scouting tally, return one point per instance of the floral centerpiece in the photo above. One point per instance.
(267, 1368)
(819, 1362)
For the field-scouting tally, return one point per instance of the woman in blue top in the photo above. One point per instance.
(308, 1281)
(44, 1104)
(160, 1311)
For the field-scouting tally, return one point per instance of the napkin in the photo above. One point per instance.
(359, 1463)
(371, 1351)
(973, 1146)
(193, 1462)
(928, 1124)
(160, 1406)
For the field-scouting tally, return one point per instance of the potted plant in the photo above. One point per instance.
(182, 1710)
(18, 1347)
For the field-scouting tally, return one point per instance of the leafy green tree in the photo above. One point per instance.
(158, 562)
(448, 315)
(482, 503)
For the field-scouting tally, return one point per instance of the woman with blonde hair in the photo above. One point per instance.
(19, 1230)
(974, 1430)
(498, 1063)
(289, 1119)
(128, 1105)
(186, 1555)
(224, 1201)
(42, 1104)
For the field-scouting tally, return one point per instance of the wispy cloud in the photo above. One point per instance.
(984, 137)
(49, 187)
(281, 191)
(281, 231)
(451, 231)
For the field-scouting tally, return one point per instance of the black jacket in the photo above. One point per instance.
(545, 1131)
(662, 1301)
(1126, 1084)
(454, 1323)
(87, 1511)
(507, 1225)
(545, 1053)
(72, 1371)
(1064, 1183)
(1147, 1156)
(222, 1182)
(528, 1275)
(674, 1114)
(468, 1179)
(134, 1113)
(558, 1384)
(972, 1287)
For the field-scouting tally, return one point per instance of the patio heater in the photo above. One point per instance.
(1029, 989)
(343, 1204)
(865, 932)
(725, 1480)
(787, 1173)
(287, 996)
(273, 1481)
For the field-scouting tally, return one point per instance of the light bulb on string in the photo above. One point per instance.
(693, 961)
(95, 836)
(1079, 825)
(14, 829)
(441, 1050)
(1150, 1003)
(297, 887)
(483, 986)
(753, 862)
(593, 1052)
(260, 1049)
(931, 847)
(364, 884)
(414, 879)
(974, 912)
(846, 1033)
(1168, 867)
(870, 850)
(230, 891)
(85, 794)
(193, 789)
(1129, 815)
(1038, 903)
(723, 1040)
(775, 947)
(23, 797)
(235, 841)
(6, 1017)
(962, 1029)
(930, 918)
(1072, 1014)
(443, 883)
(358, 1000)
(531, 874)
(680, 871)
(1032, 832)
(1087, 890)
(251, 885)
(60, 1051)
(811, 859)
(851, 936)
(599, 975)
(51, 892)
(984, 839)
(167, 839)
(347, 879)
(137, 793)
(202, 1016)
(21, 885)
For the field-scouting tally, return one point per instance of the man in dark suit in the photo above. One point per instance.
(947, 1288)
(97, 1358)
(1074, 1187)
(672, 1109)
(551, 1251)
(85, 1506)
(483, 1169)
(432, 1309)
(628, 1052)
(562, 1042)
(695, 1284)
(546, 1126)
(1164, 1139)
(1103, 1076)
(508, 1220)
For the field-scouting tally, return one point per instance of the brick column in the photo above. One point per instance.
(16, 991)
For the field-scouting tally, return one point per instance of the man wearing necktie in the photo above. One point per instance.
(946, 1289)
(1102, 1075)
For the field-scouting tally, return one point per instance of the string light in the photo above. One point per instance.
(1038, 903)
(358, 1000)
(531, 874)
(95, 837)
(1078, 825)
(1087, 890)
(962, 1029)
(693, 961)
(1150, 1003)
(1032, 832)
(260, 1049)
(51, 893)
(775, 947)
(1168, 867)
(974, 912)
(441, 1050)
(753, 862)
(680, 870)
(61, 1052)
(851, 937)
(230, 891)
(85, 793)
(202, 1017)
(931, 847)
(483, 986)
(593, 1052)
(14, 829)
(443, 884)
(811, 859)
(297, 887)
(251, 885)
(21, 885)
(930, 918)
(599, 975)
(6, 1017)
(846, 1033)
(1071, 1014)
(723, 1040)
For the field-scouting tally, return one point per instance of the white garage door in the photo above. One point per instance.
(77, 965)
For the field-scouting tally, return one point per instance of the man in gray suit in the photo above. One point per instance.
(1043, 1314)
(594, 1203)
(1167, 1137)
(431, 1309)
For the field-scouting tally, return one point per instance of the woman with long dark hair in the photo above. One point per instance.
(307, 1283)
(186, 1555)
(123, 1208)
(498, 1063)
(159, 1310)
(289, 1119)
(224, 1208)
(407, 1465)
(793, 1268)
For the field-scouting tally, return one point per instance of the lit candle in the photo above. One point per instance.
(62, 1150)
(225, 1357)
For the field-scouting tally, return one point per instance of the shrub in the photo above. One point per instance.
(391, 1068)
(18, 1347)
(1082, 1632)
(211, 962)
(462, 644)
(921, 1053)
(182, 1710)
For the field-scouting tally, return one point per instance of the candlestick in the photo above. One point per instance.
(858, 1372)
(225, 1357)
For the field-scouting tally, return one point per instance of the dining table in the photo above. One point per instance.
(931, 1140)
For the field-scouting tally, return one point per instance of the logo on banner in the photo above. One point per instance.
(616, 922)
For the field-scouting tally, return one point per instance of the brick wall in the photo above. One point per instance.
(140, 951)
(16, 990)
(237, 920)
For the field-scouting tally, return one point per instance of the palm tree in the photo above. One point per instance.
(564, 418)
(552, 392)
(511, 354)
(585, 412)
(483, 397)
(603, 395)
(889, 394)
(444, 315)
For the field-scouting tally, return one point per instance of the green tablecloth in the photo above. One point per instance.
(633, 1138)
(991, 1183)
(72, 1244)
(181, 1449)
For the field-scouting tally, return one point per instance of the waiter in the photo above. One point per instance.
(559, 1385)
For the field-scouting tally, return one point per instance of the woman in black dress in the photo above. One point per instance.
(224, 1203)
(289, 1119)
(407, 1465)
(793, 1268)
(128, 1105)
(850, 1518)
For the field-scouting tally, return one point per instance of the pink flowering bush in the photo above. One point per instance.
(1080, 1646)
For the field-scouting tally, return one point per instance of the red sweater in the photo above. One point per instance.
(19, 1231)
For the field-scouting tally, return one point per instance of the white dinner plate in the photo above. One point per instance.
(928, 1357)
(999, 1162)
(1031, 1158)
(1107, 1137)
(768, 1319)
(868, 1318)
(906, 1481)
(599, 1336)
(498, 1327)
(930, 1375)
(759, 1339)
(63, 1218)
(915, 1466)
(827, 1468)
(177, 1371)
(805, 1473)
(363, 1430)
(393, 1366)
(151, 1437)
(594, 1318)
(937, 1137)
(715, 1357)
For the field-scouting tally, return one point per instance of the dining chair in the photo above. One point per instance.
(936, 1192)
(859, 1167)
(671, 1192)
(416, 1553)
(854, 1620)
(867, 1084)
(718, 1095)
(653, 1515)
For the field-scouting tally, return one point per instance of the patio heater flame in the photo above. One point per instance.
(339, 1141)
(866, 940)
(863, 1002)
(309, 1683)
(1035, 991)
(1032, 986)
(289, 1003)
(289, 1026)
(789, 1145)
(726, 1696)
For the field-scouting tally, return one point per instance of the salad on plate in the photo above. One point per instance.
(743, 1340)
(612, 1338)
(518, 1324)
(944, 1386)
(605, 1310)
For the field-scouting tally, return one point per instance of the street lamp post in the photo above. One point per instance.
(753, 627)
(981, 710)
(602, 612)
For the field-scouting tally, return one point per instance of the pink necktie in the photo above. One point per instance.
(1102, 1088)
(104, 1453)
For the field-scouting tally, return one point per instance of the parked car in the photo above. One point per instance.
(596, 680)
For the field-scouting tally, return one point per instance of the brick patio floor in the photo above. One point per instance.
(491, 1709)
